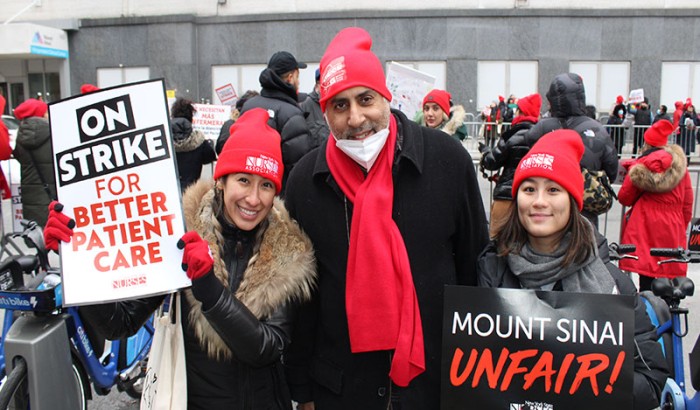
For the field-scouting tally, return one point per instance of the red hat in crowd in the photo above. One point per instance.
(348, 62)
(501, 98)
(619, 99)
(31, 108)
(555, 156)
(441, 98)
(679, 104)
(657, 134)
(88, 88)
(530, 105)
(253, 148)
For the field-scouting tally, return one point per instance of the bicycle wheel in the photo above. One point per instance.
(81, 384)
(13, 393)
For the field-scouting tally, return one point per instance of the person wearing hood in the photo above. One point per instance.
(658, 190)
(506, 154)
(192, 148)
(567, 102)
(34, 152)
(279, 96)
(250, 265)
(547, 245)
(439, 112)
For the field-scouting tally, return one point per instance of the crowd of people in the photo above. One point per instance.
(320, 280)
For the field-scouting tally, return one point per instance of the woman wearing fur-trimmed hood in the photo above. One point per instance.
(439, 112)
(657, 188)
(250, 266)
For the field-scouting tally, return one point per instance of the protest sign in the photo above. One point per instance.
(694, 239)
(227, 94)
(209, 118)
(408, 87)
(525, 349)
(116, 176)
(637, 96)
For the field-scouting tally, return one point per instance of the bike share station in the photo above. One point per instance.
(41, 339)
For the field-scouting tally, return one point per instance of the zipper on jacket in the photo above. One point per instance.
(391, 385)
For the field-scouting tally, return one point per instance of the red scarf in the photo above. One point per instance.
(380, 298)
(521, 118)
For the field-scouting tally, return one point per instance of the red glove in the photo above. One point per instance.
(59, 227)
(196, 259)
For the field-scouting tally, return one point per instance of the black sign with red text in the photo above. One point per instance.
(515, 349)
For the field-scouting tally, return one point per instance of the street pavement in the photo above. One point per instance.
(609, 226)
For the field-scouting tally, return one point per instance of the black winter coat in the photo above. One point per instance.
(511, 148)
(192, 151)
(234, 345)
(650, 370)
(567, 100)
(286, 117)
(438, 210)
(318, 127)
(34, 152)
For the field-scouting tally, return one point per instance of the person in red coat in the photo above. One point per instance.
(657, 188)
(5, 152)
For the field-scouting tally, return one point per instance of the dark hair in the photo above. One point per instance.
(183, 108)
(245, 97)
(664, 109)
(512, 236)
(590, 111)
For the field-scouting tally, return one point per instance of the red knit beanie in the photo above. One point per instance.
(530, 105)
(619, 99)
(31, 108)
(348, 62)
(88, 88)
(555, 156)
(657, 134)
(253, 148)
(441, 98)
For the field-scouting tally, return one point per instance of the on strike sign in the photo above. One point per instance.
(525, 349)
(116, 175)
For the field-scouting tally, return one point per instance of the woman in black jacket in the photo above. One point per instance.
(238, 313)
(546, 244)
(192, 149)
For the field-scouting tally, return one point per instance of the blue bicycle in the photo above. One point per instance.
(124, 363)
(671, 321)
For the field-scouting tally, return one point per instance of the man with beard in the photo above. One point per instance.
(395, 214)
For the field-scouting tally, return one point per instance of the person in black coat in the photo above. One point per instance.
(192, 149)
(279, 96)
(397, 220)
(567, 102)
(224, 132)
(250, 266)
(546, 244)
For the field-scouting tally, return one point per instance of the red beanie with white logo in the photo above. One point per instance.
(441, 98)
(348, 62)
(30, 108)
(88, 88)
(253, 148)
(555, 156)
(657, 134)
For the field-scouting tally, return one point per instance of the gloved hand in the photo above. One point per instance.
(198, 262)
(196, 259)
(59, 227)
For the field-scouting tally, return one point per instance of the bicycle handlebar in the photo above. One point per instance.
(668, 252)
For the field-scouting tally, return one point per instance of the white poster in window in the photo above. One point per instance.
(116, 176)
(408, 87)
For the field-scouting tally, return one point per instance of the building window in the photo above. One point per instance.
(603, 82)
(246, 77)
(503, 78)
(109, 77)
(679, 80)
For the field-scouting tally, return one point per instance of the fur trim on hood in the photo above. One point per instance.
(663, 179)
(191, 143)
(457, 120)
(281, 270)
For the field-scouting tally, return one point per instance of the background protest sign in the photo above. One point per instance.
(408, 87)
(694, 238)
(637, 96)
(209, 118)
(522, 349)
(116, 176)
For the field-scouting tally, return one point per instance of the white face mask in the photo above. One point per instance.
(364, 151)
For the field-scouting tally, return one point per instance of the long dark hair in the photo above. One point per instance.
(513, 236)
